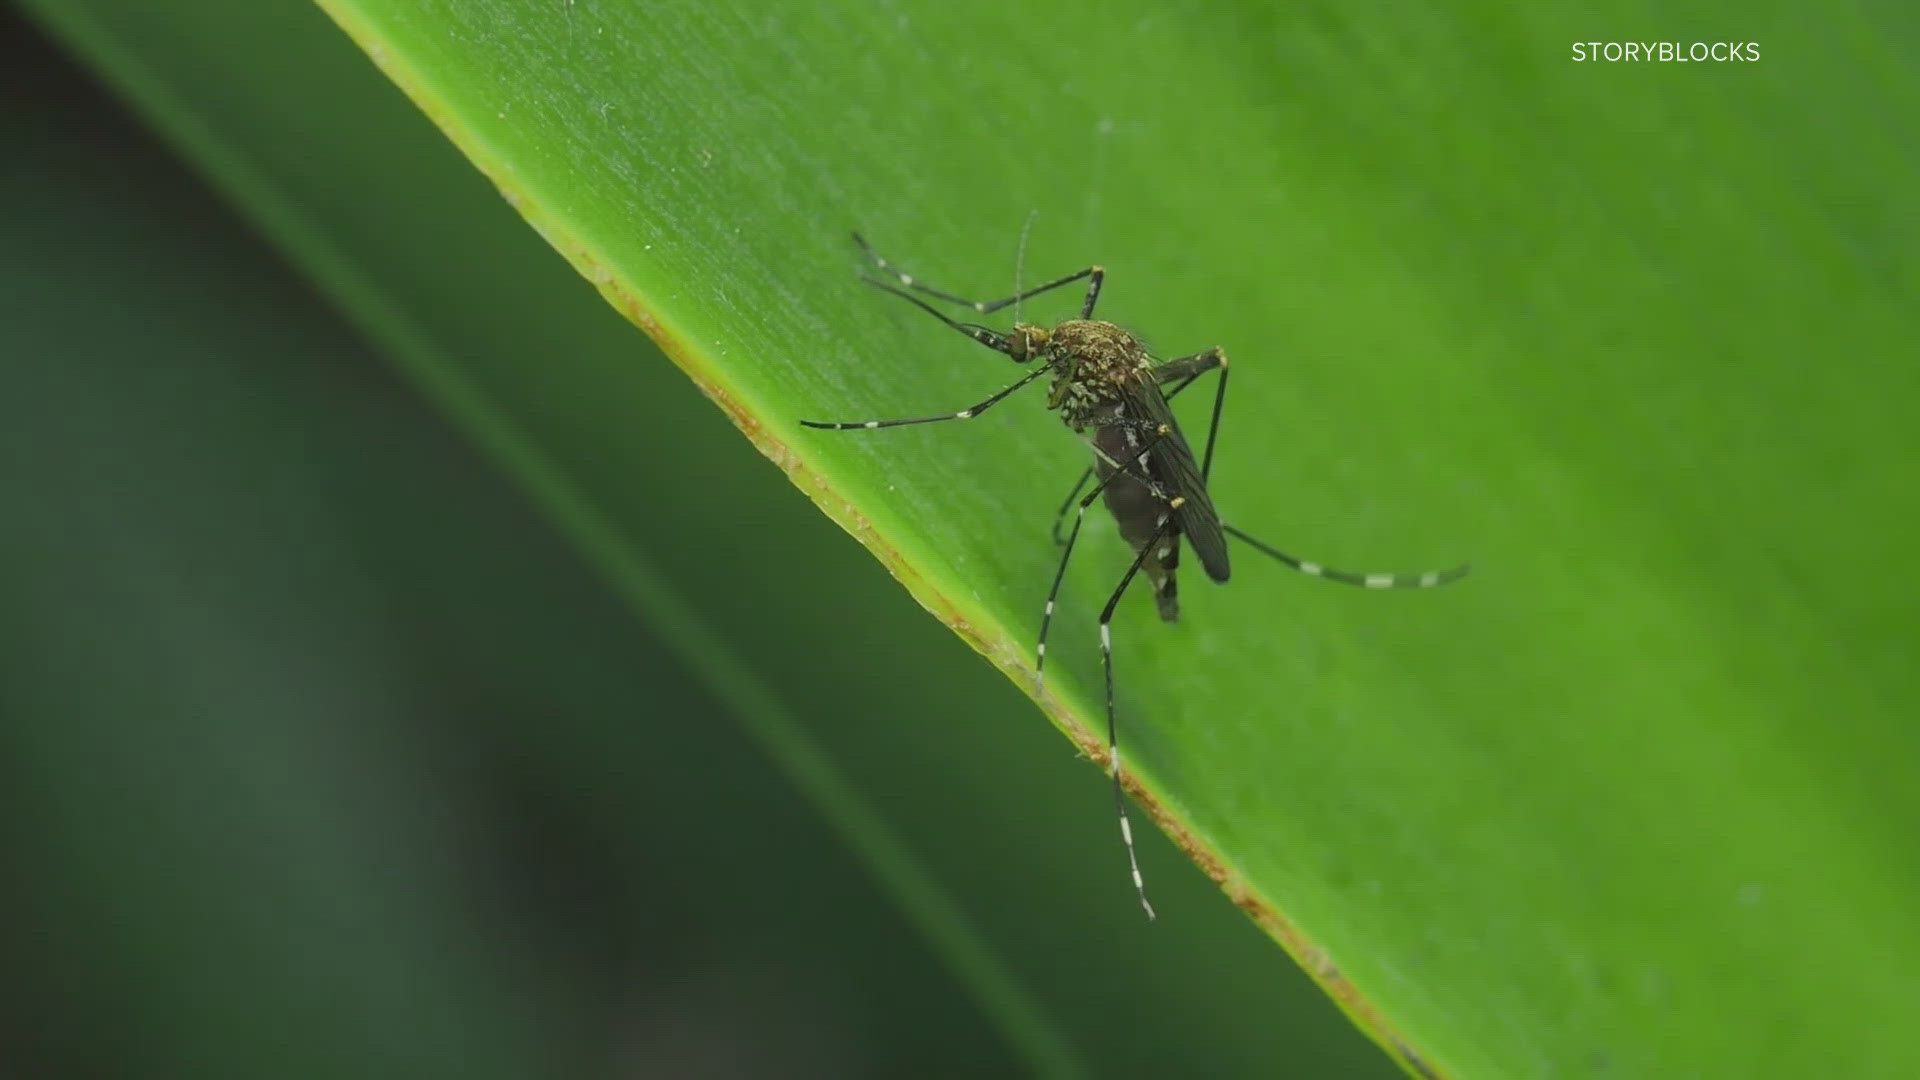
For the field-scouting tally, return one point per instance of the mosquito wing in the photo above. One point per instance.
(1171, 465)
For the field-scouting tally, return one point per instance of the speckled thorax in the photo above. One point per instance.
(1093, 363)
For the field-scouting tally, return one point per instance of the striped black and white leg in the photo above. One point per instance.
(1113, 726)
(1426, 580)
(963, 414)
(985, 335)
(1060, 516)
(1189, 368)
(983, 307)
(1066, 552)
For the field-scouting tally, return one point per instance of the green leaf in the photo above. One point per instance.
(1631, 336)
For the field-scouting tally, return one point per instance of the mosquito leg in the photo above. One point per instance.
(1095, 276)
(1213, 425)
(1187, 369)
(1427, 580)
(1113, 732)
(963, 414)
(981, 307)
(991, 338)
(1184, 383)
(1066, 553)
(1060, 516)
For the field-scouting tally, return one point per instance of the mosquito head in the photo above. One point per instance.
(1026, 342)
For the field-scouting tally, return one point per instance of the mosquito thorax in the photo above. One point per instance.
(1094, 363)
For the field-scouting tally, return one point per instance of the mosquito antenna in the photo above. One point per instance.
(1020, 264)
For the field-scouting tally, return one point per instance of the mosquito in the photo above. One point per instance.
(1107, 388)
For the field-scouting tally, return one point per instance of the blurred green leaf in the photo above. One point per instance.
(1634, 799)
